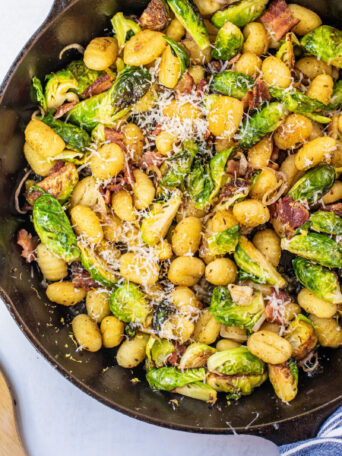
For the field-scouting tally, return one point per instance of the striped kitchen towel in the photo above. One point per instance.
(327, 443)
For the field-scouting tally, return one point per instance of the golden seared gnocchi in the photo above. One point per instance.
(321, 88)
(314, 152)
(87, 333)
(112, 330)
(97, 304)
(101, 53)
(52, 267)
(251, 213)
(225, 116)
(293, 132)
(260, 154)
(143, 190)
(86, 223)
(107, 162)
(249, 63)
(186, 237)
(43, 139)
(144, 47)
(132, 352)
(207, 328)
(256, 39)
(186, 271)
(65, 293)
(122, 204)
(275, 72)
(221, 271)
(268, 243)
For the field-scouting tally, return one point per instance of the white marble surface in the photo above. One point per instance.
(55, 417)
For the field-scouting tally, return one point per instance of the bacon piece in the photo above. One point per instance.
(278, 19)
(81, 278)
(28, 244)
(185, 85)
(276, 314)
(154, 16)
(58, 166)
(100, 85)
(151, 158)
(336, 208)
(258, 95)
(115, 136)
(179, 351)
(157, 129)
(62, 110)
(291, 214)
(202, 87)
(230, 189)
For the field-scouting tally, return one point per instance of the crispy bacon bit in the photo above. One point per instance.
(229, 189)
(291, 214)
(275, 312)
(177, 354)
(157, 129)
(81, 278)
(115, 136)
(62, 110)
(336, 208)
(185, 85)
(257, 96)
(58, 166)
(151, 158)
(278, 19)
(202, 87)
(100, 85)
(154, 16)
(28, 244)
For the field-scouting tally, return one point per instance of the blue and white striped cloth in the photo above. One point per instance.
(327, 443)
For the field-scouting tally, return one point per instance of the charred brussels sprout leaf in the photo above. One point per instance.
(318, 279)
(325, 43)
(314, 184)
(156, 224)
(235, 361)
(251, 260)
(75, 137)
(232, 84)
(326, 222)
(179, 165)
(131, 84)
(236, 385)
(297, 101)
(54, 228)
(84, 76)
(229, 313)
(179, 51)
(225, 241)
(317, 247)
(240, 13)
(128, 303)
(192, 21)
(57, 88)
(198, 390)
(124, 28)
(196, 355)
(217, 170)
(284, 379)
(97, 267)
(260, 124)
(158, 350)
(170, 378)
(336, 99)
(229, 42)
(37, 93)
(199, 183)
(160, 315)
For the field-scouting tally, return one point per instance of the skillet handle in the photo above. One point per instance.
(58, 6)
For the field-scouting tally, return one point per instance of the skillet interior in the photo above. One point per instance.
(260, 413)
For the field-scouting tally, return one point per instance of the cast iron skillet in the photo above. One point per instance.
(48, 328)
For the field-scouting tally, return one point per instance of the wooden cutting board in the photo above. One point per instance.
(10, 442)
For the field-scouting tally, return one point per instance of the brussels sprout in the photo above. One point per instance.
(74, 137)
(161, 314)
(325, 43)
(209, 100)
(240, 13)
(198, 390)
(318, 279)
(170, 378)
(326, 222)
(317, 117)
(192, 21)
(84, 76)
(229, 42)
(128, 303)
(317, 247)
(236, 385)
(302, 337)
(286, 52)
(179, 51)
(97, 267)
(235, 361)
(252, 261)
(196, 355)
(59, 184)
(313, 185)
(218, 170)
(232, 84)
(336, 99)
(158, 351)
(124, 28)
(260, 124)
(179, 165)
(57, 89)
(37, 93)
(157, 223)
(199, 184)
(54, 228)
(131, 84)
(284, 379)
(230, 313)
(297, 101)
(224, 242)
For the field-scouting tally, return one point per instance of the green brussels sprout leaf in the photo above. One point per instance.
(229, 42)
(231, 84)
(235, 361)
(170, 378)
(97, 267)
(240, 13)
(128, 303)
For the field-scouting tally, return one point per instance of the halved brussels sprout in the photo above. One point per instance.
(302, 337)
(178, 50)
(128, 303)
(297, 101)
(84, 76)
(179, 165)
(240, 13)
(54, 228)
(225, 241)
(317, 247)
(318, 279)
(170, 378)
(196, 355)
(230, 313)
(198, 390)
(57, 89)
(229, 42)
(97, 267)
(260, 124)
(158, 351)
(253, 262)
(157, 223)
(235, 361)
(236, 385)
(231, 84)
(124, 28)
(161, 314)
(284, 379)
(217, 170)
(37, 93)
(325, 43)
(199, 183)
(314, 184)
(336, 99)
(326, 222)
